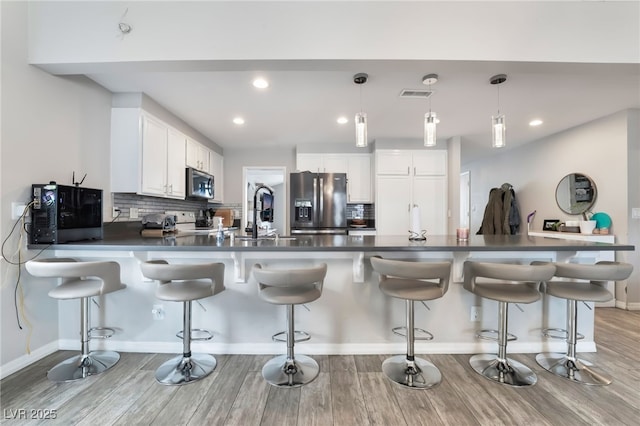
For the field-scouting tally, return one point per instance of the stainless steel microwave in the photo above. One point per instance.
(199, 184)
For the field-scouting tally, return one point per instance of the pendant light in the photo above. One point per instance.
(361, 117)
(430, 117)
(498, 123)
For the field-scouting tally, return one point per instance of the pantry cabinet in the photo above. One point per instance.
(408, 178)
(356, 166)
(147, 155)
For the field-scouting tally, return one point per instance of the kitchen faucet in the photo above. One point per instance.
(254, 227)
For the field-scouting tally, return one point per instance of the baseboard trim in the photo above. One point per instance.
(27, 359)
(633, 306)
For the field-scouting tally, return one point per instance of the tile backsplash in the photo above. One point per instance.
(147, 205)
(360, 211)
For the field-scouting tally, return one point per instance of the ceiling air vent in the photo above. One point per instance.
(415, 93)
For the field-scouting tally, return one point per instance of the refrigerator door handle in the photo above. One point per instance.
(322, 197)
(315, 201)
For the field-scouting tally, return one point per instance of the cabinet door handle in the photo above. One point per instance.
(414, 171)
(408, 170)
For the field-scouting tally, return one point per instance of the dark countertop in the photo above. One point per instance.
(129, 239)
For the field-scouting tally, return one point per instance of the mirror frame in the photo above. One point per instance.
(576, 207)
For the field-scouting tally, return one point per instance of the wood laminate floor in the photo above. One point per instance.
(351, 390)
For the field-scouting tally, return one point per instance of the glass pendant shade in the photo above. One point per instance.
(361, 129)
(430, 129)
(499, 131)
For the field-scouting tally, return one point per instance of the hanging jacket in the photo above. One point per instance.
(501, 215)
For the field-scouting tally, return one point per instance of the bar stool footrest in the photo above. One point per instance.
(417, 373)
(83, 366)
(492, 335)
(181, 370)
(197, 334)
(101, 332)
(303, 336)
(559, 333)
(285, 372)
(419, 333)
(506, 371)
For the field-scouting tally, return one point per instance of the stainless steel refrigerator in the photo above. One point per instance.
(318, 203)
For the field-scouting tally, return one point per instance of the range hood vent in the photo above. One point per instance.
(415, 93)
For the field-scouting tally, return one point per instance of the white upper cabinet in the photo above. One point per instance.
(154, 156)
(356, 166)
(359, 178)
(310, 162)
(176, 178)
(197, 156)
(411, 162)
(394, 162)
(335, 163)
(147, 156)
(430, 163)
(216, 169)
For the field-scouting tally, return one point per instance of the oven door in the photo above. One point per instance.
(199, 184)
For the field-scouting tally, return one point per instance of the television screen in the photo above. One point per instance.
(266, 215)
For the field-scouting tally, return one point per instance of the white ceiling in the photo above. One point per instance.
(306, 97)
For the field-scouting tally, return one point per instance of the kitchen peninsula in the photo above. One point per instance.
(352, 316)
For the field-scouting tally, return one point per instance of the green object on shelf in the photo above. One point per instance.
(603, 220)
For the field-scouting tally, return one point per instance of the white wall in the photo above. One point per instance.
(598, 149)
(51, 126)
(86, 32)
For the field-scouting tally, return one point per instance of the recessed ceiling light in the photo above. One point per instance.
(342, 120)
(535, 122)
(238, 120)
(260, 83)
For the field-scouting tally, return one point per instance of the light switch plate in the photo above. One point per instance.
(635, 213)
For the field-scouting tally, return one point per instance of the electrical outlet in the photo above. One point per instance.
(157, 312)
(475, 313)
(16, 210)
(133, 213)
(114, 212)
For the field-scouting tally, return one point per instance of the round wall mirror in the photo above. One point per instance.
(576, 193)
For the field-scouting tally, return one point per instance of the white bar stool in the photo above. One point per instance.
(185, 283)
(569, 365)
(412, 281)
(290, 287)
(81, 280)
(507, 283)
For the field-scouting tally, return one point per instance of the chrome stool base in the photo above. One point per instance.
(417, 374)
(82, 366)
(576, 370)
(508, 371)
(181, 370)
(286, 372)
